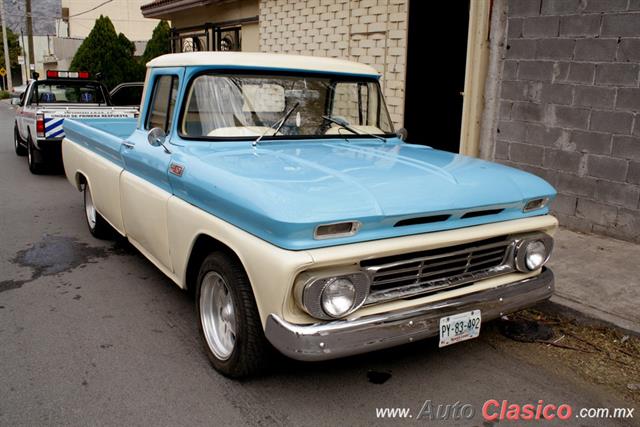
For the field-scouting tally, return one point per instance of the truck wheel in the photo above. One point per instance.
(17, 142)
(98, 226)
(35, 165)
(229, 323)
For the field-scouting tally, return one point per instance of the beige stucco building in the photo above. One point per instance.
(79, 17)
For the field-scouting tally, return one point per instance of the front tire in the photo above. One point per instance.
(98, 226)
(229, 322)
(17, 142)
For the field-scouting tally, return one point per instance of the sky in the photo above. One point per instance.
(44, 15)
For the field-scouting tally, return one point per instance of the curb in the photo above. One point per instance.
(587, 316)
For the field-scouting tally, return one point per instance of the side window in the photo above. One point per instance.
(360, 104)
(30, 98)
(165, 92)
(352, 102)
(128, 95)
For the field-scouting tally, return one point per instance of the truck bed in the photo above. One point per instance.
(104, 136)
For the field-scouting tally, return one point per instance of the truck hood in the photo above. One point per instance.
(280, 191)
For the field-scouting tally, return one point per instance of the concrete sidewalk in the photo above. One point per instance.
(598, 277)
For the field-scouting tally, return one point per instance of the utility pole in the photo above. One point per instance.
(30, 32)
(7, 60)
(25, 66)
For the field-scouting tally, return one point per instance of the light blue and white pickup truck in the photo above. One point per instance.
(275, 188)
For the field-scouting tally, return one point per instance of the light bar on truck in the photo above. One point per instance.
(55, 74)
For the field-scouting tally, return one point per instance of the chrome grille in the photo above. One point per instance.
(419, 273)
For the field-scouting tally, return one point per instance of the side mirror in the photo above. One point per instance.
(15, 101)
(402, 134)
(156, 138)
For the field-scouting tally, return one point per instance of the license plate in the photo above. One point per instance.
(459, 327)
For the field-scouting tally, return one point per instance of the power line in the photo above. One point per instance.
(90, 10)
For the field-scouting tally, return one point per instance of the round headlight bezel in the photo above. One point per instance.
(523, 252)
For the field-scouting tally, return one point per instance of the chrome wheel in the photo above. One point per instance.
(89, 208)
(217, 315)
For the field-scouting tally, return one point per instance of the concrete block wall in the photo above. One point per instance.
(570, 107)
(369, 31)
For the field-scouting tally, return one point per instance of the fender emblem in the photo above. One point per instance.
(176, 169)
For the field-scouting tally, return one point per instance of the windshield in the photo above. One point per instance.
(225, 105)
(71, 92)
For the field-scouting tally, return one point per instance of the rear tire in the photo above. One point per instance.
(35, 165)
(229, 322)
(21, 150)
(98, 226)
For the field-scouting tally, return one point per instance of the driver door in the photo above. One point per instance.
(145, 186)
(20, 117)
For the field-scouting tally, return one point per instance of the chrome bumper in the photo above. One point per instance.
(340, 338)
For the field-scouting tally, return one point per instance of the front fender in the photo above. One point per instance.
(271, 270)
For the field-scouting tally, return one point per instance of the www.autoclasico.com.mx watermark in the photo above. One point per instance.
(501, 410)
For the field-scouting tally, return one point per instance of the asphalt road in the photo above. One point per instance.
(92, 334)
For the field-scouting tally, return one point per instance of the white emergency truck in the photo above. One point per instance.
(45, 104)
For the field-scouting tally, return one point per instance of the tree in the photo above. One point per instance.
(160, 42)
(14, 48)
(104, 51)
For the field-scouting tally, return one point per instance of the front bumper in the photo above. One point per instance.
(340, 338)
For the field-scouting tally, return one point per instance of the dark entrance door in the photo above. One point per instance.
(436, 57)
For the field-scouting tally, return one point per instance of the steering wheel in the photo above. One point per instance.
(325, 125)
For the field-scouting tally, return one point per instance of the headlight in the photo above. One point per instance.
(338, 297)
(535, 255)
(533, 252)
(326, 296)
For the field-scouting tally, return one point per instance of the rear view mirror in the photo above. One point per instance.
(156, 137)
(402, 134)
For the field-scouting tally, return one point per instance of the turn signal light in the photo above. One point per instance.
(535, 204)
(40, 125)
(338, 229)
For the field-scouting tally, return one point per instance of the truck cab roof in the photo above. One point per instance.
(264, 61)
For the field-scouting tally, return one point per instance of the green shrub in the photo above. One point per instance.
(14, 48)
(160, 42)
(104, 51)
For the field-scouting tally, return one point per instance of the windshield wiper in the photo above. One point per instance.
(343, 124)
(279, 124)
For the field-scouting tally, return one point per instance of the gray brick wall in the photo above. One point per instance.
(570, 108)
(373, 32)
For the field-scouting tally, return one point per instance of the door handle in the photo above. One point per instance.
(128, 145)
